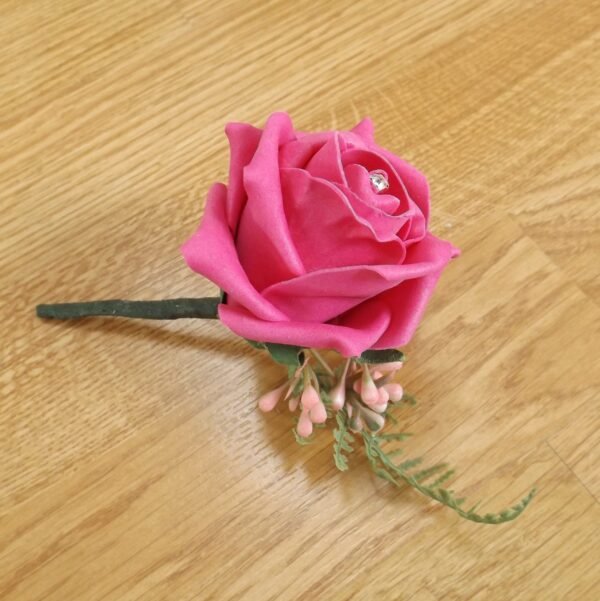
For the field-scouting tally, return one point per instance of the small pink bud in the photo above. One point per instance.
(384, 396)
(310, 397)
(338, 396)
(318, 414)
(373, 420)
(349, 410)
(304, 427)
(356, 386)
(293, 403)
(394, 391)
(380, 407)
(356, 424)
(377, 374)
(268, 401)
(368, 390)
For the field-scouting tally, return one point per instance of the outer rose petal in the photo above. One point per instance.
(211, 252)
(323, 295)
(365, 130)
(243, 142)
(412, 296)
(264, 244)
(362, 328)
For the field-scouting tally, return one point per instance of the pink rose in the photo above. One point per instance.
(320, 240)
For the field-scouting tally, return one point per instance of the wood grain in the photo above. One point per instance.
(134, 463)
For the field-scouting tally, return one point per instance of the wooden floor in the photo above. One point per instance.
(134, 464)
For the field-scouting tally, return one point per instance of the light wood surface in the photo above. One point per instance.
(134, 463)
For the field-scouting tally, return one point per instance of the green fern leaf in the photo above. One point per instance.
(342, 441)
(380, 461)
(439, 481)
(409, 399)
(395, 436)
(410, 463)
(301, 440)
(395, 452)
(429, 471)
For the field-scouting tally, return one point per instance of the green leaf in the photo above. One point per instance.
(301, 439)
(257, 345)
(409, 399)
(285, 354)
(384, 356)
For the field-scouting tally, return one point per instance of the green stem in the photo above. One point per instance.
(176, 308)
(322, 361)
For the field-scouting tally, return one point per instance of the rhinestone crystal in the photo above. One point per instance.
(379, 181)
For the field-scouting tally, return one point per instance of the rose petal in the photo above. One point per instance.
(362, 328)
(325, 229)
(211, 252)
(298, 152)
(414, 181)
(243, 142)
(322, 295)
(416, 227)
(326, 163)
(385, 226)
(371, 161)
(365, 130)
(264, 244)
(408, 300)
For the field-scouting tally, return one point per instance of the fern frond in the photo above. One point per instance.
(342, 441)
(381, 462)
(445, 476)
(395, 436)
(428, 471)
(389, 417)
(395, 452)
(409, 464)
(409, 399)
